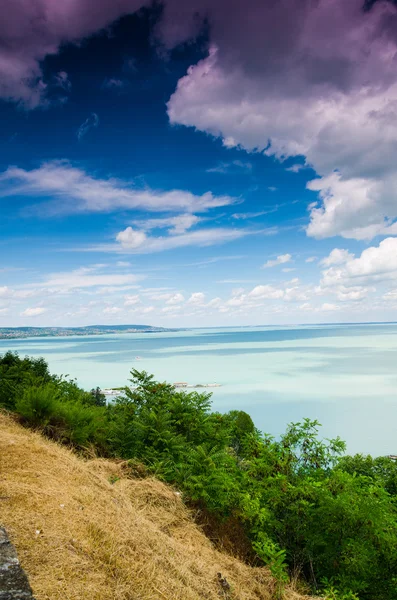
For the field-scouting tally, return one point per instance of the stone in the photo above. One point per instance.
(14, 584)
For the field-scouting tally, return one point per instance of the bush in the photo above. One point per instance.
(38, 405)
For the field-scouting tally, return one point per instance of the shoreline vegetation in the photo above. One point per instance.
(297, 505)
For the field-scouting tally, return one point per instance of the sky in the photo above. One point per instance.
(201, 163)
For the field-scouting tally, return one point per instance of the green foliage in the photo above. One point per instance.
(16, 374)
(37, 405)
(309, 510)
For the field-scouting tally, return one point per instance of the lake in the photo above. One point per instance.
(343, 375)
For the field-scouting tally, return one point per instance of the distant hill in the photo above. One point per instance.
(24, 332)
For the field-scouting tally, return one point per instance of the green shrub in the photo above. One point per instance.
(38, 405)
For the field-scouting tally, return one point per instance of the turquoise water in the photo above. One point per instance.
(343, 375)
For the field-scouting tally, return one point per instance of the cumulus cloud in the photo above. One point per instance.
(337, 257)
(33, 312)
(131, 238)
(77, 191)
(265, 292)
(320, 85)
(197, 298)
(176, 299)
(280, 260)
(376, 264)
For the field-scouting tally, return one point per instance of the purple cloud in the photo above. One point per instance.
(301, 78)
(29, 31)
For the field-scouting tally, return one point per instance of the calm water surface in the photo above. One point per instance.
(343, 375)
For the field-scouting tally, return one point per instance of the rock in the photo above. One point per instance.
(14, 584)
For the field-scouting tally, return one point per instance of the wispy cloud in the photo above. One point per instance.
(134, 241)
(33, 312)
(90, 123)
(75, 190)
(296, 168)
(229, 167)
(113, 84)
(176, 225)
(280, 260)
(253, 215)
(86, 277)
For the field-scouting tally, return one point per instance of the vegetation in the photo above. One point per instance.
(309, 511)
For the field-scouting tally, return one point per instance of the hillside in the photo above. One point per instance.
(84, 530)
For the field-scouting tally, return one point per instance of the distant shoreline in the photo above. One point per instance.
(13, 333)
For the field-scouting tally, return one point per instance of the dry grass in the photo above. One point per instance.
(80, 536)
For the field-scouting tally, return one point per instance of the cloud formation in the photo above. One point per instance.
(280, 260)
(30, 31)
(33, 312)
(321, 85)
(135, 241)
(73, 190)
(376, 264)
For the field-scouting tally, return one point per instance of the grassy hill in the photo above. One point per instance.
(84, 530)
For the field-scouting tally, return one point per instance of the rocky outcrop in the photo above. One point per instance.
(14, 584)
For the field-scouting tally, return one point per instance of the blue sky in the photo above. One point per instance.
(154, 174)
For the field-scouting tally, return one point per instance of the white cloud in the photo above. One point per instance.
(87, 277)
(253, 215)
(265, 292)
(33, 312)
(176, 225)
(390, 295)
(73, 190)
(280, 260)
(337, 257)
(327, 307)
(139, 243)
(311, 259)
(176, 299)
(123, 263)
(112, 310)
(358, 208)
(91, 122)
(296, 168)
(234, 166)
(376, 264)
(295, 91)
(197, 298)
(131, 238)
(132, 300)
(169, 310)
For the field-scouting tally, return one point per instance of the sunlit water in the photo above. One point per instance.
(343, 375)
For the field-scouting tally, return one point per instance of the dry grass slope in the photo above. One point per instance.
(81, 537)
